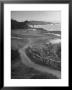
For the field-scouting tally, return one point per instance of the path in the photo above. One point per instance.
(29, 63)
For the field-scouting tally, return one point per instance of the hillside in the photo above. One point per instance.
(21, 25)
(39, 23)
(35, 27)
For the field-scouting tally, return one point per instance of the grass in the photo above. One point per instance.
(18, 69)
(47, 55)
(21, 71)
(18, 43)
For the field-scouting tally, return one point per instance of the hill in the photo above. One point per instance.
(34, 26)
(19, 25)
(24, 25)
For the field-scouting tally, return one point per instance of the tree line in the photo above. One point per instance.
(19, 25)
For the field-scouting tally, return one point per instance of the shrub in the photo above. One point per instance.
(45, 55)
(14, 55)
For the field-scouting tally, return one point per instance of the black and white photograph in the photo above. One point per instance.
(35, 44)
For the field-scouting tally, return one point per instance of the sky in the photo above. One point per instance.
(48, 16)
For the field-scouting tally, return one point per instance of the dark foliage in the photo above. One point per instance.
(15, 55)
(19, 25)
(58, 52)
(47, 55)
